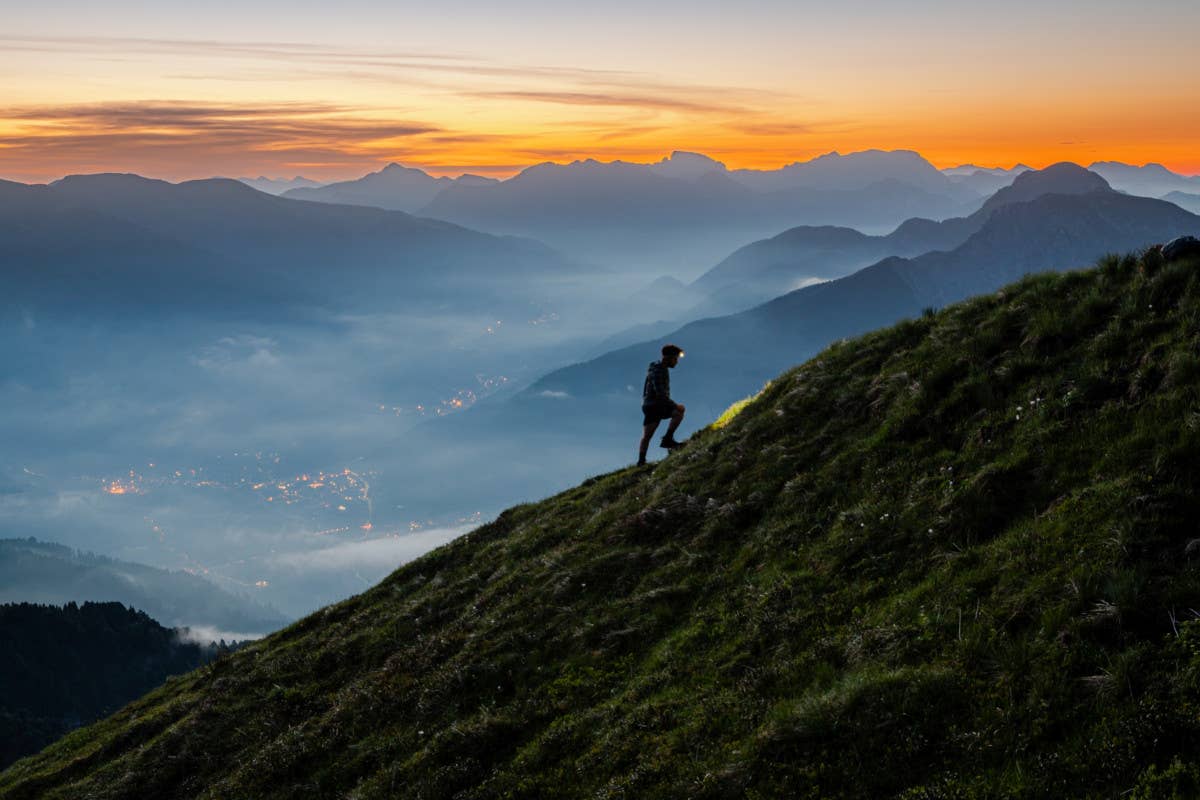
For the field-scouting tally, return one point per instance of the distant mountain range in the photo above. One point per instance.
(1149, 180)
(966, 170)
(32, 571)
(984, 180)
(584, 416)
(668, 216)
(1191, 202)
(772, 267)
(393, 187)
(279, 185)
(125, 240)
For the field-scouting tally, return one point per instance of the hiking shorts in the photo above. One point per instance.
(656, 411)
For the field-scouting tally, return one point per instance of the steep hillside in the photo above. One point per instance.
(953, 558)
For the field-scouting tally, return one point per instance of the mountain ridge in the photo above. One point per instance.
(54, 574)
(394, 187)
(768, 268)
(219, 239)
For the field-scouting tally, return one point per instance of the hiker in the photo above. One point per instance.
(657, 404)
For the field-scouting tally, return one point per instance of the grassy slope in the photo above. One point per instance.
(937, 561)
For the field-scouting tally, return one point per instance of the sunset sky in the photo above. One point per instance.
(184, 90)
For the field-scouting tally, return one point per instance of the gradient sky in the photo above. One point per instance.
(183, 90)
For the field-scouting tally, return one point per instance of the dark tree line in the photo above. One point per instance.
(65, 666)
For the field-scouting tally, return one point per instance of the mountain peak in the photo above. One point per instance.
(399, 169)
(1064, 177)
(109, 179)
(687, 165)
(1063, 173)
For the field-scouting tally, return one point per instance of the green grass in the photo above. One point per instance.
(956, 558)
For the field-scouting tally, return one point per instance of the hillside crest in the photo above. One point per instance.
(952, 558)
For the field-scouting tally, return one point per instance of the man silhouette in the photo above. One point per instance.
(657, 404)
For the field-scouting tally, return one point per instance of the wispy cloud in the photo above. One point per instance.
(176, 138)
(293, 54)
(173, 133)
(303, 59)
(660, 103)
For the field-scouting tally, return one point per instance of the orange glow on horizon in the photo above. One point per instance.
(35, 151)
(960, 88)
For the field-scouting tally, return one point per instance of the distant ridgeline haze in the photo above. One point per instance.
(952, 558)
(674, 215)
(769, 268)
(218, 246)
(43, 572)
(670, 216)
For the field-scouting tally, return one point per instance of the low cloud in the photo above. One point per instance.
(554, 394)
(372, 554)
(206, 634)
(235, 353)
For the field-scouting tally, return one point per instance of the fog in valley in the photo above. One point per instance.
(258, 453)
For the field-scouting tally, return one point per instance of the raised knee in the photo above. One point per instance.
(679, 409)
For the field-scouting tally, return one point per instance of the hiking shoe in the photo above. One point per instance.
(641, 462)
(669, 443)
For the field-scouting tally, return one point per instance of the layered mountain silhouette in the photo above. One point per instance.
(394, 187)
(1148, 180)
(835, 171)
(947, 559)
(59, 252)
(984, 180)
(1191, 202)
(280, 185)
(146, 243)
(668, 216)
(775, 266)
(53, 574)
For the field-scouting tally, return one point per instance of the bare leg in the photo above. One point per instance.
(676, 418)
(647, 435)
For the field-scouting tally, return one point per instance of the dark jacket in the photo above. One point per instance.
(658, 383)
